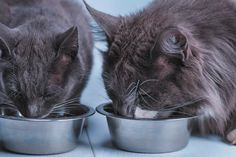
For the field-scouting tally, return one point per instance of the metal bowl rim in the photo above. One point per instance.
(100, 109)
(90, 112)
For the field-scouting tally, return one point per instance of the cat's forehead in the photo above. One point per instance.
(32, 53)
(33, 46)
(141, 29)
(131, 36)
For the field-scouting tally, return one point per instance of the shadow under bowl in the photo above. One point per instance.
(58, 133)
(147, 135)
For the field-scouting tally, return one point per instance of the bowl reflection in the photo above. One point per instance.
(147, 135)
(58, 133)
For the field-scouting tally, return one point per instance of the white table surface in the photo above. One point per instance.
(95, 140)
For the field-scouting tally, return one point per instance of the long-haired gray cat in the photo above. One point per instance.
(45, 54)
(178, 55)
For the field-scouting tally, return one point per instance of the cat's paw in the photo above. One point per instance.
(231, 137)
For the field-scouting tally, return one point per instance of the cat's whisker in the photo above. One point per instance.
(60, 113)
(146, 105)
(178, 106)
(66, 102)
(134, 89)
(142, 90)
(63, 105)
(9, 107)
(70, 104)
(67, 107)
(7, 104)
(130, 85)
(137, 86)
(3, 101)
(131, 91)
(3, 95)
(179, 112)
(149, 80)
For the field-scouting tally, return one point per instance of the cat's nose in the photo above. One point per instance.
(34, 110)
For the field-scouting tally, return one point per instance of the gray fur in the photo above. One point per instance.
(49, 57)
(171, 75)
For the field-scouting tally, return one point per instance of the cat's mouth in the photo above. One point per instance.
(73, 111)
(181, 109)
(58, 110)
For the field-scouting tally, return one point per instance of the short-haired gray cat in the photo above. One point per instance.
(174, 54)
(46, 54)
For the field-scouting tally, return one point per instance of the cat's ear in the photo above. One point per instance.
(68, 46)
(68, 42)
(107, 22)
(173, 42)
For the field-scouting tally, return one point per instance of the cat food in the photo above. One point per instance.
(146, 135)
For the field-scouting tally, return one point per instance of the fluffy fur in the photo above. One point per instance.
(175, 56)
(45, 54)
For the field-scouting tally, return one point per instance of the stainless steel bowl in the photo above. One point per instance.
(147, 136)
(54, 135)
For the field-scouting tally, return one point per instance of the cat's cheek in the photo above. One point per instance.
(140, 113)
(162, 68)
